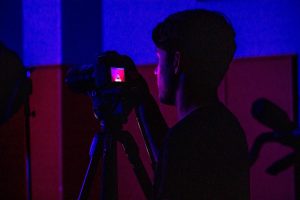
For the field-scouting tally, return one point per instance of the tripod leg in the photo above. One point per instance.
(132, 151)
(109, 185)
(95, 155)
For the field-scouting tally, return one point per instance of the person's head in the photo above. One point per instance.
(197, 45)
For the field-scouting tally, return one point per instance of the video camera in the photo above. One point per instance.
(109, 83)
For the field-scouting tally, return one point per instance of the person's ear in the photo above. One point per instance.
(176, 63)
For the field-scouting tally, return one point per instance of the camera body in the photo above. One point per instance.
(111, 71)
(107, 83)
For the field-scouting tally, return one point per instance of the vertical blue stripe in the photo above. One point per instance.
(41, 32)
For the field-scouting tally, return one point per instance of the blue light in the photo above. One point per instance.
(41, 32)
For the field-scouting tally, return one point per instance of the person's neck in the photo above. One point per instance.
(188, 102)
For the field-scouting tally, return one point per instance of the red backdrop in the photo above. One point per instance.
(64, 126)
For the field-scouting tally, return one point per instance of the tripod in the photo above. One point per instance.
(104, 147)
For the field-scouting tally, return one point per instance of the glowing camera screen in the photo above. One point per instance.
(117, 74)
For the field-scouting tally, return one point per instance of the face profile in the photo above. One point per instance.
(166, 78)
(195, 48)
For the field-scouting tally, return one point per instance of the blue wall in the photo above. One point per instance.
(55, 31)
(266, 27)
(41, 32)
(51, 32)
(11, 25)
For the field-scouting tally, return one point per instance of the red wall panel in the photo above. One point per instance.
(62, 130)
(79, 126)
(271, 78)
(46, 132)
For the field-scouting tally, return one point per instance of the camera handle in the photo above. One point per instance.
(104, 147)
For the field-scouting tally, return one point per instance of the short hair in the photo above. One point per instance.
(206, 39)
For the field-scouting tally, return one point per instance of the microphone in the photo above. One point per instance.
(271, 115)
(284, 131)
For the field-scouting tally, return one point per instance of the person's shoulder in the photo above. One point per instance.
(190, 126)
(200, 116)
(206, 120)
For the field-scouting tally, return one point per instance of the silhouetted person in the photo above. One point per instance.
(12, 83)
(204, 156)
